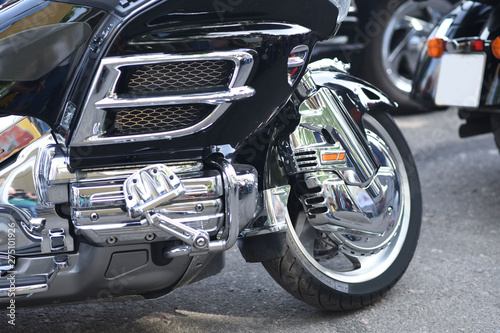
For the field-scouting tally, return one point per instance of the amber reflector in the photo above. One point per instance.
(435, 47)
(330, 157)
(333, 157)
(495, 47)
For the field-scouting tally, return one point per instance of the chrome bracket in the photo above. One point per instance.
(198, 240)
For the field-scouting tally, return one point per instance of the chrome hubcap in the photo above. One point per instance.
(362, 247)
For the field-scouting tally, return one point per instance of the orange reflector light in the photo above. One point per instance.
(495, 47)
(333, 157)
(330, 157)
(435, 47)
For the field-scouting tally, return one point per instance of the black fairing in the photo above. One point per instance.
(470, 19)
(41, 45)
(269, 30)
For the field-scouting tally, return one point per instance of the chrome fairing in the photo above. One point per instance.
(41, 45)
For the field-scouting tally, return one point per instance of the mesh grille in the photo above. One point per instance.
(156, 119)
(174, 76)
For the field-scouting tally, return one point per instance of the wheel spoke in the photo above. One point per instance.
(422, 26)
(401, 46)
(356, 261)
(305, 232)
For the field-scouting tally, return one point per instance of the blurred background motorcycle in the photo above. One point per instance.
(382, 42)
(460, 67)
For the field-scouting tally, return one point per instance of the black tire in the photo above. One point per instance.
(385, 32)
(309, 280)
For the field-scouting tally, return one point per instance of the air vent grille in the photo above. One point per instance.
(175, 76)
(145, 120)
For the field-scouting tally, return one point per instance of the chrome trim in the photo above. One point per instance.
(306, 86)
(232, 215)
(211, 208)
(231, 95)
(52, 174)
(90, 129)
(106, 193)
(197, 240)
(322, 112)
(276, 202)
(329, 65)
(18, 132)
(98, 209)
(24, 290)
(20, 193)
(273, 210)
(9, 121)
(296, 62)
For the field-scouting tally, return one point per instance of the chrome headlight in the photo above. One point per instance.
(343, 6)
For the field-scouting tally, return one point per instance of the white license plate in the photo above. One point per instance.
(460, 80)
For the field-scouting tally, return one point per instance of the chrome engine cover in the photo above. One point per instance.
(98, 207)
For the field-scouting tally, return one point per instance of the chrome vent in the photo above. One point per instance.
(153, 96)
(154, 119)
(185, 75)
(306, 159)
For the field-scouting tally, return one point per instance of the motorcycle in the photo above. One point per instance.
(460, 65)
(141, 139)
(382, 41)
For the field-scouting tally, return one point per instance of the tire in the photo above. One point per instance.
(393, 48)
(342, 280)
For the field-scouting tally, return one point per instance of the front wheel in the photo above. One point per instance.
(341, 269)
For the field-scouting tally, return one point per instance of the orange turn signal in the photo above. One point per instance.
(495, 47)
(333, 157)
(435, 47)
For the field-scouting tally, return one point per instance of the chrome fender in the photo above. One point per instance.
(358, 96)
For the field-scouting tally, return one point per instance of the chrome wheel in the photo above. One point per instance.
(349, 264)
(363, 247)
(404, 37)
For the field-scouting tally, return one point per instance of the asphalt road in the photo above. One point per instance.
(452, 284)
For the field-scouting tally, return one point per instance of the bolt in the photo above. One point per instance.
(199, 207)
(94, 217)
(111, 240)
(150, 237)
(134, 181)
(200, 242)
(389, 210)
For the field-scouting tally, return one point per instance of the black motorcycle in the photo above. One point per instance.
(460, 67)
(143, 138)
